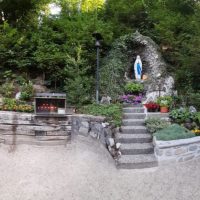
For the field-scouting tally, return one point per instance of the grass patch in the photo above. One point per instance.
(173, 132)
(112, 112)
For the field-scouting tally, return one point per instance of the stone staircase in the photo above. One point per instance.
(136, 143)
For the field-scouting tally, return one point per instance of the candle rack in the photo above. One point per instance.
(50, 104)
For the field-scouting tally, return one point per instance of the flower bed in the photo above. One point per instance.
(152, 107)
(16, 106)
(129, 98)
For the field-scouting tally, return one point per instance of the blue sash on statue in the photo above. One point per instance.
(138, 69)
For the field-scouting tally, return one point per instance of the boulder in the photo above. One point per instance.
(40, 88)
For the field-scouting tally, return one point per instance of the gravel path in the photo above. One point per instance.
(83, 170)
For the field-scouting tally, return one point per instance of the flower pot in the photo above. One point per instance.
(164, 109)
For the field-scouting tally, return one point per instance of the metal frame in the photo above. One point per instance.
(61, 96)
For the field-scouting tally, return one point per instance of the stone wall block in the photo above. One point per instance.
(159, 152)
(193, 148)
(108, 132)
(84, 131)
(85, 124)
(93, 134)
(180, 159)
(190, 157)
(181, 150)
(198, 152)
(168, 152)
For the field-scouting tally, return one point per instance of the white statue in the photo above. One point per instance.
(138, 68)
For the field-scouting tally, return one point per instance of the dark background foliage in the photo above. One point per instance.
(62, 47)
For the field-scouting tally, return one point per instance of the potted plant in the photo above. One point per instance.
(152, 106)
(164, 102)
(133, 88)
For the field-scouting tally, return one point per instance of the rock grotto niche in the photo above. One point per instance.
(117, 67)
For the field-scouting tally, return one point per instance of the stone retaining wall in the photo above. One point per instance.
(97, 128)
(25, 127)
(177, 150)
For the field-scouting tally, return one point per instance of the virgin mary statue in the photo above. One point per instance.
(138, 68)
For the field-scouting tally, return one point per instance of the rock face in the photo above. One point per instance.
(96, 128)
(117, 67)
(156, 68)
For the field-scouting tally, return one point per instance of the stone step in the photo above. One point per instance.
(133, 110)
(128, 105)
(132, 122)
(134, 138)
(134, 115)
(136, 148)
(133, 129)
(137, 161)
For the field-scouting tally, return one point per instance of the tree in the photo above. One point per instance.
(14, 11)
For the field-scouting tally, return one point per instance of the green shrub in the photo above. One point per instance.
(10, 104)
(173, 132)
(112, 112)
(155, 124)
(197, 119)
(132, 87)
(164, 101)
(7, 89)
(181, 115)
(193, 99)
(26, 91)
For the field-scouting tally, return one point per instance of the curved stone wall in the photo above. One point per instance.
(97, 128)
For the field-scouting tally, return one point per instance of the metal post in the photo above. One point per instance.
(98, 38)
(97, 76)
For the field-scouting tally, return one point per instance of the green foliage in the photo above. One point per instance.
(193, 99)
(112, 112)
(164, 101)
(16, 10)
(26, 91)
(10, 104)
(7, 89)
(78, 82)
(48, 46)
(173, 132)
(115, 65)
(198, 117)
(181, 115)
(156, 124)
(176, 25)
(132, 87)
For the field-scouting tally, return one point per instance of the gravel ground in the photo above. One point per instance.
(83, 170)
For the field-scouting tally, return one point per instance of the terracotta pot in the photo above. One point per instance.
(164, 109)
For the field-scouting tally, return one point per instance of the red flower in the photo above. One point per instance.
(151, 105)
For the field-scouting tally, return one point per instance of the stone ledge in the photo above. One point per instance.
(17, 124)
(173, 143)
(89, 117)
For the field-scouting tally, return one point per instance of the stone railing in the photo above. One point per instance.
(177, 150)
(97, 128)
(29, 128)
